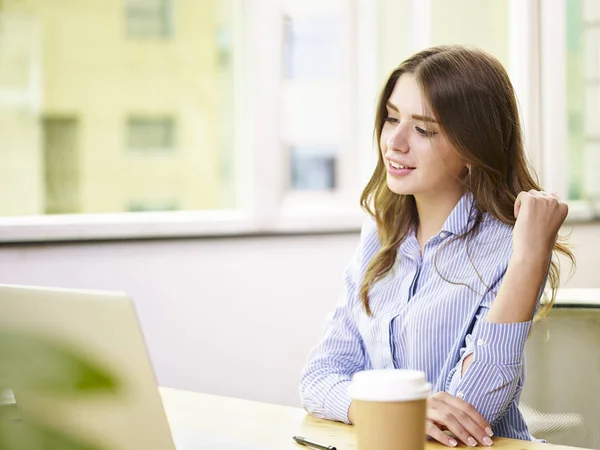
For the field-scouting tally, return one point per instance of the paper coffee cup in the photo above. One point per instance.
(389, 409)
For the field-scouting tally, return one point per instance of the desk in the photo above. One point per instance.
(274, 425)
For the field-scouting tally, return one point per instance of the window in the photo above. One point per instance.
(467, 22)
(317, 98)
(313, 168)
(551, 49)
(151, 135)
(143, 206)
(312, 47)
(583, 98)
(570, 54)
(261, 111)
(579, 35)
(149, 18)
(61, 163)
(407, 26)
(92, 122)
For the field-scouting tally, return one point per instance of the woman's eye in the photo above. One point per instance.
(392, 120)
(425, 133)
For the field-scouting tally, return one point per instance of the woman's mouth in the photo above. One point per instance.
(397, 169)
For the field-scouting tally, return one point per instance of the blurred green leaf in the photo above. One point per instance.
(37, 364)
(16, 435)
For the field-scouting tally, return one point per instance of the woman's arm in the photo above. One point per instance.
(487, 375)
(327, 375)
(518, 294)
(539, 217)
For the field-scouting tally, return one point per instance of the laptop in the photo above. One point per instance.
(102, 326)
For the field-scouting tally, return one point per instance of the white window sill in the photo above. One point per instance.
(578, 298)
(184, 224)
(199, 224)
(583, 211)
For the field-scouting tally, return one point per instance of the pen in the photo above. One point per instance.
(303, 441)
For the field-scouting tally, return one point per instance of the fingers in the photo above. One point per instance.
(434, 432)
(518, 202)
(463, 428)
(522, 198)
(460, 418)
(468, 409)
(526, 197)
(545, 194)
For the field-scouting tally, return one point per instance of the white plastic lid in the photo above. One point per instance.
(389, 385)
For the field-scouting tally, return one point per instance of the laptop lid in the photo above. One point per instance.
(103, 326)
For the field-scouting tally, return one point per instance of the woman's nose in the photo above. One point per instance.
(398, 140)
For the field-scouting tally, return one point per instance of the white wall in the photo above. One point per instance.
(230, 316)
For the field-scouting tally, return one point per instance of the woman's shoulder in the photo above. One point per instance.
(369, 239)
(368, 230)
(491, 225)
(492, 240)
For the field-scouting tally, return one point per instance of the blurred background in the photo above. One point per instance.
(161, 105)
(145, 105)
(206, 156)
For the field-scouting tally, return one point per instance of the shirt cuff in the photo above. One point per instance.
(500, 343)
(337, 402)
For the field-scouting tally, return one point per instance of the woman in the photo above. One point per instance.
(452, 263)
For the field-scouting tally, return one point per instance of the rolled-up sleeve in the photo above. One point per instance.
(331, 363)
(491, 381)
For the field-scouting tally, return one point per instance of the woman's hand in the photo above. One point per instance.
(539, 218)
(446, 412)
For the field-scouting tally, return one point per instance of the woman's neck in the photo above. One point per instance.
(433, 212)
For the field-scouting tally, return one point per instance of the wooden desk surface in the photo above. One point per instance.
(273, 426)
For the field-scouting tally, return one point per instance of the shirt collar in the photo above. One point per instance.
(456, 224)
(460, 217)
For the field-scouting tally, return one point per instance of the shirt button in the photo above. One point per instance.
(443, 235)
(480, 342)
(460, 395)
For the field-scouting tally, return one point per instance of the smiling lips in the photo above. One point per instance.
(397, 169)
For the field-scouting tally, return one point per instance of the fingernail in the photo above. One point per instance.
(487, 441)
(489, 431)
(472, 442)
(452, 443)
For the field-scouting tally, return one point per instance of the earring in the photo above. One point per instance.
(469, 169)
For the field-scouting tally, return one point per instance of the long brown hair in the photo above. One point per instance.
(471, 97)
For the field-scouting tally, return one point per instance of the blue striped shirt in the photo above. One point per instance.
(429, 315)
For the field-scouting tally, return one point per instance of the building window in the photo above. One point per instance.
(149, 18)
(313, 168)
(61, 161)
(317, 97)
(153, 206)
(151, 135)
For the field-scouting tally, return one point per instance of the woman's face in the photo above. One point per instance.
(420, 161)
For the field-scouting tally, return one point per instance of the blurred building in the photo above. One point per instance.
(114, 105)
